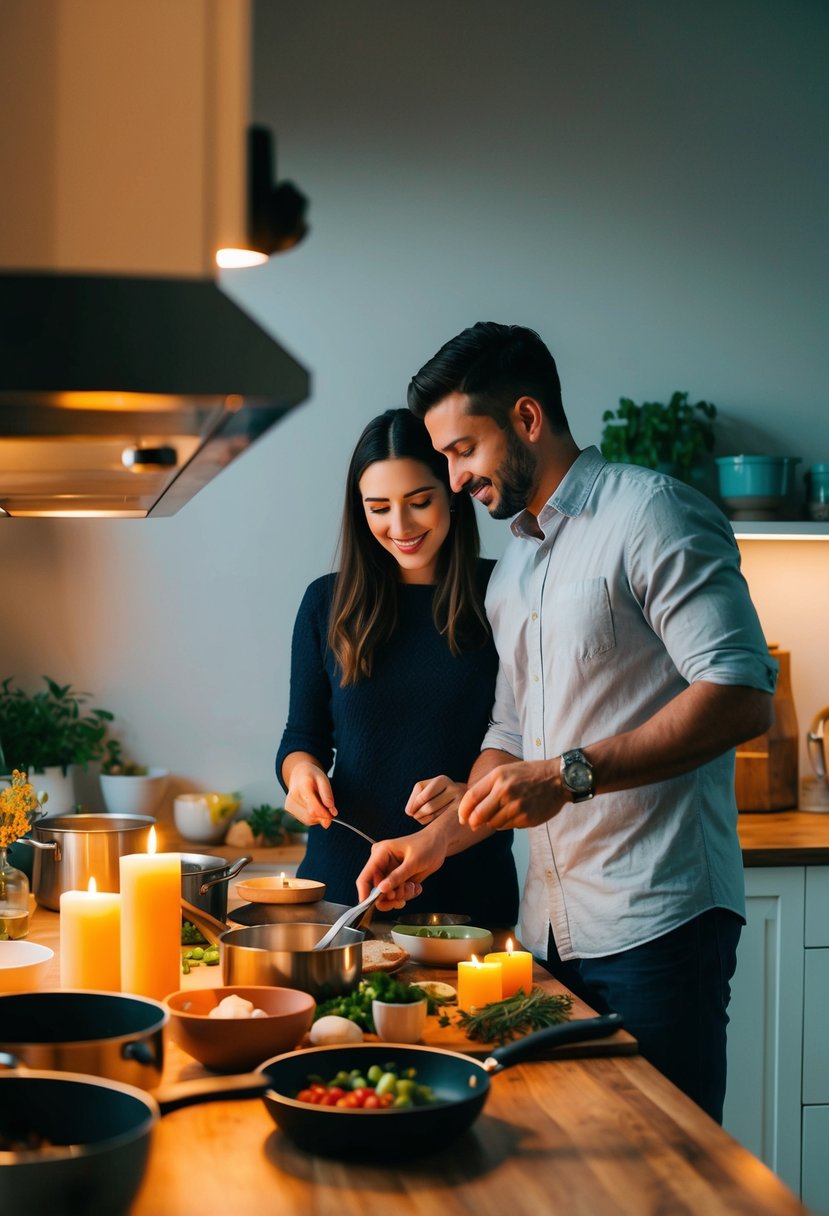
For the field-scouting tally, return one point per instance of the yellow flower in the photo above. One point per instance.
(19, 805)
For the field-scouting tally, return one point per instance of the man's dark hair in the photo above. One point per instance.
(493, 365)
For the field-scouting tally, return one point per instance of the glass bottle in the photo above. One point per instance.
(818, 483)
(14, 900)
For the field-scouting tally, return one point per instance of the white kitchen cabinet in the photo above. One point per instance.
(777, 1103)
(765, 1035)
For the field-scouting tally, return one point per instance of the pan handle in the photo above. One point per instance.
(141, 1051)
(231, 873)
(212, 1089)
(533, 1045)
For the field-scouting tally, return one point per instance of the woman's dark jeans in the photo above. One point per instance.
(672, 994)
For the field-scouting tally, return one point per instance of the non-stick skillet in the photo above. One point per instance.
(460, 1082)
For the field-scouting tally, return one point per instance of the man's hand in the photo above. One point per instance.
(399, 868)
(310, 798)
(434, 797)
(519, 795)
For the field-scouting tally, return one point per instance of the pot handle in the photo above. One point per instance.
(232, 872)
(51, 845)
(531, 1046)
(141, 1051)
(212, 1089)
(211, 928)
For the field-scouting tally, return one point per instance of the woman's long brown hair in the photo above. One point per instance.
(364, 606)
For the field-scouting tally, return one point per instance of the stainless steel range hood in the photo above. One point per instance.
(94, 369)
(128, 379)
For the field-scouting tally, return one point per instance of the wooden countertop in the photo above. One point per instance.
(784, 838)
(596, 1136)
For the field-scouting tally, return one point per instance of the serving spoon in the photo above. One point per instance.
(347, 918)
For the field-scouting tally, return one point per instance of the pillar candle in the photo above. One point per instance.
(478, 983)
(516, 969)
(151, 922)
(90, 939)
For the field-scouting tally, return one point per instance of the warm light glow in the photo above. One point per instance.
(781, 535)
(151, 842)
(509, 945)
(282, 880)
(69, 513)
(92, 886)
(239, 259)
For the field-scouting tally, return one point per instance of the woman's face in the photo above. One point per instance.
(407, 511)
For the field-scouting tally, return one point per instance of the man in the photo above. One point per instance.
(631, 664)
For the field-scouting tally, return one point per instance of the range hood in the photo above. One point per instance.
(128, 378)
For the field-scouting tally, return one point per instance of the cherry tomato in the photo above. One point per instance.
(372, 1102)
(350, 1101)
(332, 1097)
(308, 1095)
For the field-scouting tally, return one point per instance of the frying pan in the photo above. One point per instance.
(101, 1132)
(461, 1083)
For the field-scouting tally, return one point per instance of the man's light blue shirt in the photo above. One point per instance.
(633, 593)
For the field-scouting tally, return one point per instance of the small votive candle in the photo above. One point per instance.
(516, 969)
(478, 983)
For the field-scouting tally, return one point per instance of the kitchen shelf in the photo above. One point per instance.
(289, 854)
(780, 529)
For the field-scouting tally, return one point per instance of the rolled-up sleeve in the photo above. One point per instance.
(504, 731)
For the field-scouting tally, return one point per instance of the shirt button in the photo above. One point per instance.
(535, 679)
(538, 743)
(534, 616)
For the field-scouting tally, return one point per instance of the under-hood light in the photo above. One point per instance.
(276, 213)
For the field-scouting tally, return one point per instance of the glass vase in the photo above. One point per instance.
(14, 900)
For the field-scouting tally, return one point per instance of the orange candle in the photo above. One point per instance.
(516, 969)
(478, 983)
(90, 939)
(151, 922)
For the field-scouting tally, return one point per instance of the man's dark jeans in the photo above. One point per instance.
(672, 994)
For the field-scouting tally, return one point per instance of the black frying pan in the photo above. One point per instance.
(460, 1082)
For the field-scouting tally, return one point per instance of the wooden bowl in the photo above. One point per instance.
(273, 889)
(238, 1044)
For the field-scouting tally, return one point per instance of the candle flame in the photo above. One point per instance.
(151, 844)
(92, 886)
(509, 945)
(475, 960)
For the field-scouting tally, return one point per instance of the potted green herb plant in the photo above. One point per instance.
(677, 438)
(44, 733)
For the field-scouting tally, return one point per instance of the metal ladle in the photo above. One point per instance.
(347, 918)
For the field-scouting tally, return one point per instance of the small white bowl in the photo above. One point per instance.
(456, 944)
(125, 795)
(23, 966)
(399, 1023)
(194, 819)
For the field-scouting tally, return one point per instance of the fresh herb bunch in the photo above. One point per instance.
(677, 434)
(356, 1006)
(116, 766)
(515, 1016)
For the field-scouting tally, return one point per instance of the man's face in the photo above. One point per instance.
(491, 464)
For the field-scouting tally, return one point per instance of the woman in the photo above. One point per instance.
(393, 671)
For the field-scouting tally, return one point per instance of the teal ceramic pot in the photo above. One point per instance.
(756, 487)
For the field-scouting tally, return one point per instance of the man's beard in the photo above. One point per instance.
(517, 480)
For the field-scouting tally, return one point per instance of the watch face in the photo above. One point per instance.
(578, 776)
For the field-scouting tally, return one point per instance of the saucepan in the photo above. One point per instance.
(90, 1137)
(204, 880)
(107, 1034)
(460, 1084)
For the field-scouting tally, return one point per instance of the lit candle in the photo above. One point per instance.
(151, 922)
(282, 879)
(516, 969)
(90, 939)
(478, 983)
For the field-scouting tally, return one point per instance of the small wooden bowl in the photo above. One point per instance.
(272, 890)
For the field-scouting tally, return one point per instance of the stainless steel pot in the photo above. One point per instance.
(204, 881)
(283, 955)
(104, 1033)
(71, 849)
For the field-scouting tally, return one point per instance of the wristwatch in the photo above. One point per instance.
(577, 775)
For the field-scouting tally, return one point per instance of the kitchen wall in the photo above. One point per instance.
(643, 183)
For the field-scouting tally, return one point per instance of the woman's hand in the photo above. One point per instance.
(310, 797)
(434, 797)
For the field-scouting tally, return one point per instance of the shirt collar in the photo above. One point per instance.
(569, 497)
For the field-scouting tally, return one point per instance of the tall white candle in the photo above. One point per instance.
(151, 922)
(90, 939)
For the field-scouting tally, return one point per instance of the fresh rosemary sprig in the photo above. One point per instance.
(500, 1021)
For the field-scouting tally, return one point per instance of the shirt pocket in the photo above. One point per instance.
(580, 619)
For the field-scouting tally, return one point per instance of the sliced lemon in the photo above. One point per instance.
(441, 992)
